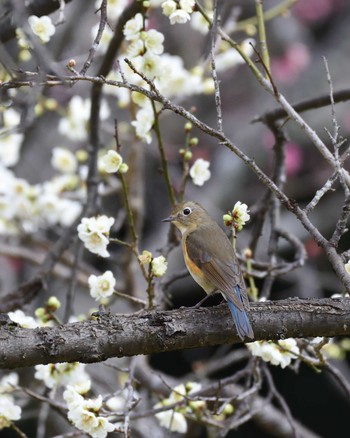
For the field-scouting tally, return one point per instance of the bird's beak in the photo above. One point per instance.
(168, 219)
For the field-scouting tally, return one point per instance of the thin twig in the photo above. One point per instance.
(262, 35)
(165, 166)
(280, 399)
(213, 36)
(96, 42)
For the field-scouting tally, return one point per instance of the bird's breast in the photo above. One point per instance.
(196, 271)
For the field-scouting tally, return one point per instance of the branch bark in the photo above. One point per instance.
(156, 331)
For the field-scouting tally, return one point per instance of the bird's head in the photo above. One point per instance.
(187, 216)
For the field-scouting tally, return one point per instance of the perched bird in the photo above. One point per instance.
(211, 260)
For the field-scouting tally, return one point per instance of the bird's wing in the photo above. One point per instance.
(220, 266)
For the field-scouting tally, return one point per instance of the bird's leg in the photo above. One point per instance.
(196, 306)
(203, 300)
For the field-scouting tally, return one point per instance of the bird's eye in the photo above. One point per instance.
(187, 211)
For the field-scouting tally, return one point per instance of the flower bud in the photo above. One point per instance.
(248, 254)
(228, 409)
(188, 126)
(40, 312)
(194, 141)
(53, 303)
(188, 156)
(227, 218)
(145, 257)
(123, 168)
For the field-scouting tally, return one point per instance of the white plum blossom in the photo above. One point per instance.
(110, 162)
(23, 320)
(74, 125)
(172, 420)
(240, 215)
(149, 64)
(102, 286)
(277, 353)
(9, 411)
(199, 172)
(94, 232)
(42, 27)
(159, 266)
(10, 145)
(116, 403)
(68, 211)
(63, 160)
(179, 16)
(178, 12)
(8, 383)
(153, 41)
(169, 7)
(133, 27)
(11, 118)
(54, 375)
(187, 5)
(136, 48)
(83, 413)
(58, 210)
(175, 80)
(143, 123)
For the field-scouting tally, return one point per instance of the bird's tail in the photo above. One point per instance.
(241, 320)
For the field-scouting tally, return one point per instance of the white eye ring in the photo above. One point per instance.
(187, 211)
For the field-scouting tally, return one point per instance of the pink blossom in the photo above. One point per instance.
(287, 68)
(294, 159)
(313, 10)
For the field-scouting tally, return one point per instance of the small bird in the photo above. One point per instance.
(211, 260)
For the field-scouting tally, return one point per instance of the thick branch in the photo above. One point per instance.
(159, 331)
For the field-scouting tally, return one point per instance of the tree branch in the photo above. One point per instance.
(305, 105)
(158, 331)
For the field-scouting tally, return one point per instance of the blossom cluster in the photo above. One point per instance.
(280, 353)
(94, 232)
(74, 124)
(145, 51)
(159, 265)
(184, 403)
(9, 410)
(174, 419)
(238, 216)
(26, 207)
(61, 374)
(11, 138)
(178, 12)
(84, 413)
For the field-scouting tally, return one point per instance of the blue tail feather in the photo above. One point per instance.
(241, 320)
